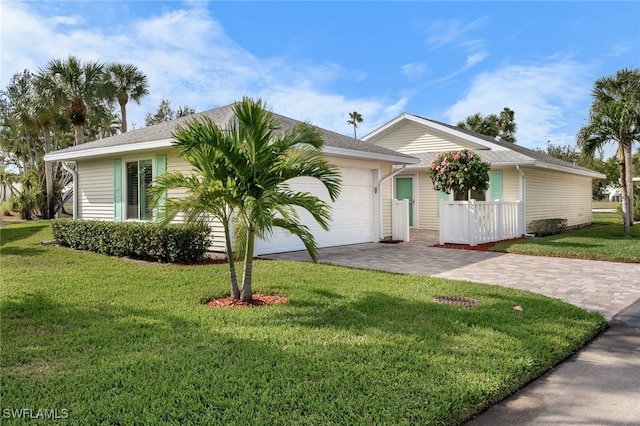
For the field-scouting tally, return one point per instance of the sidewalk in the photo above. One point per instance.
(598, 386)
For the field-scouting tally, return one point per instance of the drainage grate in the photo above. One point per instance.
(456, 300)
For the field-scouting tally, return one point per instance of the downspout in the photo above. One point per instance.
(74, 176)
(523, 200)
(380, 182)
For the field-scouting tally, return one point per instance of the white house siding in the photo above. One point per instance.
(427, 203)
(387, 200)
(551, 194)
(95, 189)
(410, 139)
(510, 184)
(176, 164)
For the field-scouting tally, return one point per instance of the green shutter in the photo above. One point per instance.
(161, 167)
(442, 196)
(495, 185)
(117, 190)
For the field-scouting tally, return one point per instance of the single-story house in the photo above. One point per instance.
(545, 187)
(108, 174)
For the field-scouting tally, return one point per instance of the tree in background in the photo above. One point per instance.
(614, 116)
(63, 104)
(126, 82)
(501, 126)
(166, 113)
(79, 86)
(354, 119)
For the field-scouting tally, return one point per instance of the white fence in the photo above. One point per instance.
(477, 222)
(400, 220)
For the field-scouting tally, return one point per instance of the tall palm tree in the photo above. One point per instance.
(80, 86)
(354, 119)
(615, 117)
(126, 83)
(247, 167)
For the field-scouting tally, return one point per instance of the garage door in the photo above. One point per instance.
(352, 215)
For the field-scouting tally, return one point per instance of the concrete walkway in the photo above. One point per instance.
(598, 386)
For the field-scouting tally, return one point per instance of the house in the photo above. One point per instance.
(110, 176)
(545, 187)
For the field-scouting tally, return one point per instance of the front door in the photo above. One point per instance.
(404, 191)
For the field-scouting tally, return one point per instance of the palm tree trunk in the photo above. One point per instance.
(48, 173)
(628, 164)
(79, 129)
(626, 214)
(246, 295)
(123, 117)
(233, 278)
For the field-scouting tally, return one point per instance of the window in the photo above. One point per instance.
(139, 177)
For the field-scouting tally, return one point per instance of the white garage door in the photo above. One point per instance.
(352, 215)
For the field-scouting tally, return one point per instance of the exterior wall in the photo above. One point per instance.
(427, 203)
(510, 184)
(410, 138)
(96, 192)
(386, 203)
(551, 194)
(95, 189)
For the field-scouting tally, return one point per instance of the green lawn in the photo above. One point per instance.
(111, 341)
(602, 241)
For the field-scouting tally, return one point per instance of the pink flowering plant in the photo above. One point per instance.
(459, 171)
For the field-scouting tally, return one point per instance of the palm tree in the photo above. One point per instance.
(354, 119)
(211, 191)
(615, 117)
(79, 86)
(247, 167)
(126, 82)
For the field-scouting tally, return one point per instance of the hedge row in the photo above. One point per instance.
(546, 227)
(170, 244)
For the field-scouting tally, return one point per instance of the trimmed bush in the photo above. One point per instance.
(546, 227)
(176, 243)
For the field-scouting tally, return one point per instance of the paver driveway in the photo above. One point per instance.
(605, 287)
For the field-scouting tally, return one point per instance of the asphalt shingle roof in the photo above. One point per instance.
(516, 153)
(222, 116)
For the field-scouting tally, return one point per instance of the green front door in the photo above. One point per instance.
(404, 191)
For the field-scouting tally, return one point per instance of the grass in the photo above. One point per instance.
(116, 342)
(605, 204)
(604, 240)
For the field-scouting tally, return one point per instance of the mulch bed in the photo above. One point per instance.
(256, 301)
(479, 247)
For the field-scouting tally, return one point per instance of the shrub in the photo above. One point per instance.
(461, 171)
(545, 227)
(174, 243)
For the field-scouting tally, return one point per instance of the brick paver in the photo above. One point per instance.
(606, 287)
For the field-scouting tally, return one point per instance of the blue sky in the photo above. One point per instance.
(318, 61)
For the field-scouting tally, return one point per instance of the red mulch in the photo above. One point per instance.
(479, 247)
(256, 301)
(216, 261)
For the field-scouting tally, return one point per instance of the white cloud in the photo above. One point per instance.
(453, 31)
(544, 97)
(413, 70)
(189, 60)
